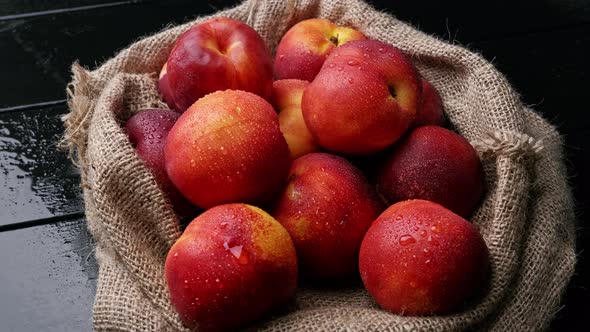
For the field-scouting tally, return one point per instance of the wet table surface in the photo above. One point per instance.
(48, 271)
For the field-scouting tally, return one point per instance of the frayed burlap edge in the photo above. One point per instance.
(526, 218)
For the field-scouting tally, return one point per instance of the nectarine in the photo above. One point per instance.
(231, 265)
(435, 164)
(165, 89)
(227, 148)
(430, 111)
(148, 131)
(304, 48)
(217, 54)
(419, 258)
(327, 207)
(286, 99)
(363, 99)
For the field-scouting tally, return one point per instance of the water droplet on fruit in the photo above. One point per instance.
(413, 284)
(419, 222)
(331, 65)
(223, 224)
(422, 233)
(175, 254)
(406, 240)
(366, 55)
(398, 218)
(282, 56)
(336, 55)
(160, 136)
(340, 68)
(425, 250)
(360, 68)
(308, 52)
(217, 280)
(350, 80)
(381, 49)
(236, 251)
(150, 136)
(427, 261)
(435, 229)
(353, 63)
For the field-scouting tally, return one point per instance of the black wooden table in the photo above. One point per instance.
(47, 268)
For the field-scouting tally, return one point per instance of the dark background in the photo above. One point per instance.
(47, 266)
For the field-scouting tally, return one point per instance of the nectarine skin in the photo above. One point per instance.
(165, 89)
(304, 48)
(218, 54)
(430, 111)
(148, 131)
(231, 265)
(419, 258)
(227, 148)
(363, 99)
(327, 207)
(435, 164)
(286, 99)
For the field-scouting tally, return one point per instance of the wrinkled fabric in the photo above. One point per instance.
(526, 217)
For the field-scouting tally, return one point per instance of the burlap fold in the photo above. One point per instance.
(526, 217)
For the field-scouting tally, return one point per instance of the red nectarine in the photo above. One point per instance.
(286, 99)
(231, 265)
(148, 131)
(430, 111)
(227, 147)
(165, 89)
(304, 48)
(327, 207)
(218, 54)
(419, 258)
(435, 164)
(363, 99)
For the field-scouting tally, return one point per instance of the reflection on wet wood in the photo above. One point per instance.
(48, 278)
(38, 180)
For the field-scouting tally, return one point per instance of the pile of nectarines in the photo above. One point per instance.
(236, 144)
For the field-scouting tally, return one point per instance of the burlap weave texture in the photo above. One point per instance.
(526, 217)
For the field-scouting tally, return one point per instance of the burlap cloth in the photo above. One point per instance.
(526, 218)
